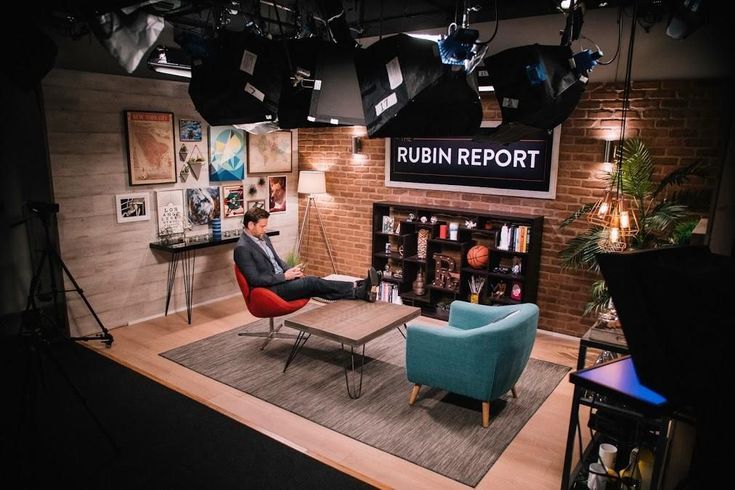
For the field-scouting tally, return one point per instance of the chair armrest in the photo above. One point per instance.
(466, 315)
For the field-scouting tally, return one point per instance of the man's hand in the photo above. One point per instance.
(293, 273)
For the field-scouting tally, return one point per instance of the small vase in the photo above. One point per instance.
(419, 284)
(474, 298)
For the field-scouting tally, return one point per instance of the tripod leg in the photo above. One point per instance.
(105, 336)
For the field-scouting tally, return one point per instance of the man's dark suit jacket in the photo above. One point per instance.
(255, 264)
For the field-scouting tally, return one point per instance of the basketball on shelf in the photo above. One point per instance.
(477, 256)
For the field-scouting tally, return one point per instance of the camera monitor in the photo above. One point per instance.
(673, 304)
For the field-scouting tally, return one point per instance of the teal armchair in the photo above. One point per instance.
(480, 354)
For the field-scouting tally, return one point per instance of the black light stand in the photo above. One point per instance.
(49, 255)
(40, 331)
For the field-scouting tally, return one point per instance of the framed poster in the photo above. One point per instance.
(232, 200)
(202, 204)
(256, 203)
(277, 196)
(269, 153)
(150, 145)
(170, 211)
(190, 130)
(226, 153)
(132, 207)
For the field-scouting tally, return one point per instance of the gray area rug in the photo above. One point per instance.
(441, 432)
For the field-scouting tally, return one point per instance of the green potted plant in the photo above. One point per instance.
(661, 210)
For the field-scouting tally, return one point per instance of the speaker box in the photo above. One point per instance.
(536, 88)
(407, 91)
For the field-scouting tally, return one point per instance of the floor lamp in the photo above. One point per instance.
(313, 182)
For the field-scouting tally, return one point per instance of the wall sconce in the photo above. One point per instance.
(609, 152)
(356, 145)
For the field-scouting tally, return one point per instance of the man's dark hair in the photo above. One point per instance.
(254, 214)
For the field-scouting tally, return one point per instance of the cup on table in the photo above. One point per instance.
(597, 477)
(607, 454)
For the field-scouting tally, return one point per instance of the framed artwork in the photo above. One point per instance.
(190, 130)
(202, 205)
(256, 203)
(226, 153)
(150, 144)
(170, 211)
(277, 195)
(132, 207)
(232, 200)
(269, 153)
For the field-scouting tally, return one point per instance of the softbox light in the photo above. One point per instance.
(536, 88)
(407, 91)
(336, 95)
(240, 80)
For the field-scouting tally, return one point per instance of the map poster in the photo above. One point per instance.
(151, 154)
(269, 153)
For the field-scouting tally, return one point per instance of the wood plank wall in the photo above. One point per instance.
(124, 280)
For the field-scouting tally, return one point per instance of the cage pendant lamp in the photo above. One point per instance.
(618, 220)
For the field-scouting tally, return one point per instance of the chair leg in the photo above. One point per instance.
(485, 414)
(272, 333)
(514, 392)
(414, 394)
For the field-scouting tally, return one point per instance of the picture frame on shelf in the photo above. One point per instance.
(150, 147)
(270, 153)
(227, 154)
(278, 197)
(170, 207)
(259, 203)
(132, 207)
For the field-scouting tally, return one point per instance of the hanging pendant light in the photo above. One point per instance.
(617, 219)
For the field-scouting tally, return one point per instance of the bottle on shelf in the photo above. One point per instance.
(630, 477)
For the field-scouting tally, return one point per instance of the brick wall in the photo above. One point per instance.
(680, 121)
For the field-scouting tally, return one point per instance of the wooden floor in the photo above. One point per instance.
(533, 460)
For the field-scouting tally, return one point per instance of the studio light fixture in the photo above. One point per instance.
(170, 61)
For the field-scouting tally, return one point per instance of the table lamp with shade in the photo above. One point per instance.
(313, 182)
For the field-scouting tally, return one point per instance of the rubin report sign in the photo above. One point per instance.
(522, 168)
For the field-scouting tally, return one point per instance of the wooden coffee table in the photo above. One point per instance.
(349, 322)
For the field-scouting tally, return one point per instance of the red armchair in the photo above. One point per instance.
(264, 303)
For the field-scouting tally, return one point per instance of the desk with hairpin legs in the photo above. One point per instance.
(352, 323)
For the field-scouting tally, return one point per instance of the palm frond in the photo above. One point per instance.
(665, 216)
(637, 169)
(584, 209)
(698, 199)
(600, 298)
(580, 251)
(682, 175)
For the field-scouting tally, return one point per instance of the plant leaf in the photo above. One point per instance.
(681, 175)
(580, 251)
(584, 209)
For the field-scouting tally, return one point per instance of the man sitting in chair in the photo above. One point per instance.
(262, 267)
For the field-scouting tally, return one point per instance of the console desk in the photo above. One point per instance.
(186, 254)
